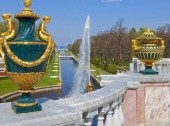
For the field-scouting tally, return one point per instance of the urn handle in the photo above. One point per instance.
(2, 52)
(10, 33)
(44, 34)
(135, 46)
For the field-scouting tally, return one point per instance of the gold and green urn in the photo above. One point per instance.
(148, 48)
(26, 50)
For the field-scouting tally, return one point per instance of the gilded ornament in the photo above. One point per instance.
(1, 50)
(2, 54)
(27, 3)
(42, 32)
(89, 87)
(25, 104)
(28, 64)
(10, 33)
(25, 81)
(27, 43)
(148, 48)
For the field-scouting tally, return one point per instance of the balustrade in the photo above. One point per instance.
(103, 104)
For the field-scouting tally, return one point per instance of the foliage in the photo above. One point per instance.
(164, 32)
(111, 49)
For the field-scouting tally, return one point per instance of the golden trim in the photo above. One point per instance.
(25, 104)
(26, 91)
(27, 64)
(27, 43)
(28, 14)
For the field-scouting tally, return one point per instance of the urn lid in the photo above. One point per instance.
(148, 35)
(27, 12)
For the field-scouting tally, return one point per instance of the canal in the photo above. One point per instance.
(68, 68)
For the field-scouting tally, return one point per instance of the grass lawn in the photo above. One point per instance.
(6, 86)
(96, 71)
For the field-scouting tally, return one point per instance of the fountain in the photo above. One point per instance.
(82, 75)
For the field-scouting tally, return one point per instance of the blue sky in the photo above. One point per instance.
(68, 16)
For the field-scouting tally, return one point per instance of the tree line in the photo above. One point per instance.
(111, 49)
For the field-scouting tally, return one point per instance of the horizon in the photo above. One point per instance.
(68, 17)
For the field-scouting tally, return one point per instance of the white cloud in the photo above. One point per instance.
(107, 1)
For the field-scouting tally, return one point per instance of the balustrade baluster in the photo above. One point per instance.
(109, 121)
(121, 115)
(116, 117)
(100, 118)
(87, 120)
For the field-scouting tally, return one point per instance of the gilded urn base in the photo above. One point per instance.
(26, 104)
(25, 81)
(148, 71)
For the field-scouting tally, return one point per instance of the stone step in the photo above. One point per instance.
(53, 76)
(2, 69)
(55, 66)
(54, 70)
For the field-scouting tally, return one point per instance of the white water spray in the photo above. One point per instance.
(82, 76)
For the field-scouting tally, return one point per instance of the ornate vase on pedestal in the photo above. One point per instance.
(26, 53)
(148, 48)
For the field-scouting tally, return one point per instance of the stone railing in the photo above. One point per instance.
(76, 110)
(102, 107)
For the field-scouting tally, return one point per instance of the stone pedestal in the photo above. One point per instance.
(129, 108)
(152, 103)
(148, 104)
